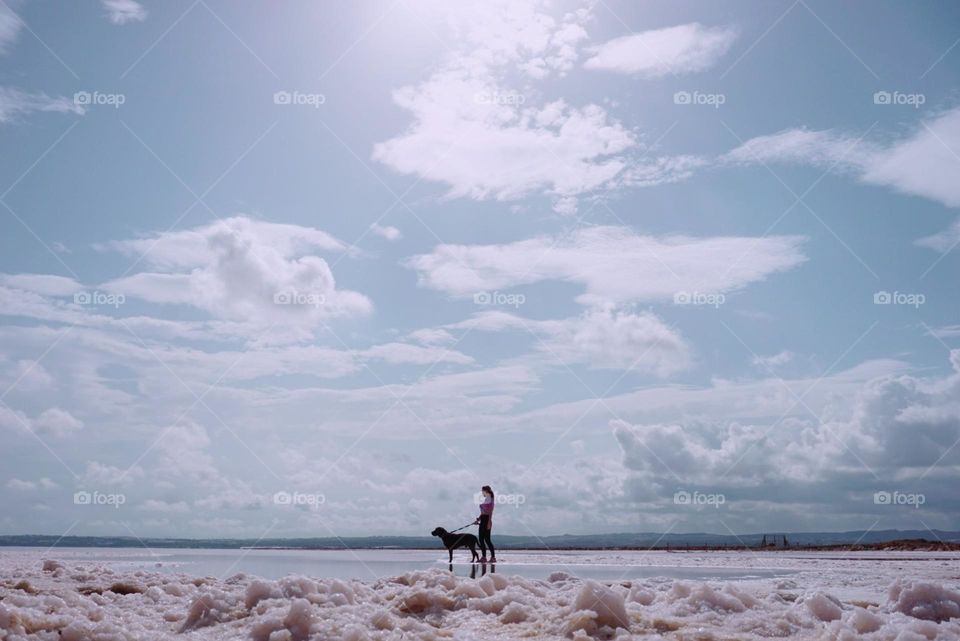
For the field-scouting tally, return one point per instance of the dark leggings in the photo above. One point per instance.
(485, 541)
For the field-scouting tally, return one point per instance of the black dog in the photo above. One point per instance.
(454, 541)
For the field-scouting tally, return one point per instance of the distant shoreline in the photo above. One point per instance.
(945, 542)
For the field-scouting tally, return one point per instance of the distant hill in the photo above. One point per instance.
(639, 540)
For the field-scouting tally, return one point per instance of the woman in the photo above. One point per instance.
(485, 520)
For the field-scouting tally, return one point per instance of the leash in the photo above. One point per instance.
(462, 527)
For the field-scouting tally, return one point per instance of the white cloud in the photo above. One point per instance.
(920, 164)
(10, 24)
(386, 231)
(54, 422)
(773, 361)
(397, 353)
(124, 11)
(153, 505)
(102, 475)
(242, 269)
(42, 483)
(612, 263)
(820, 148)
(942, 241)
(58, 422)
(431, 336)
(602, 338)
(484, 150)
(44, 284)
(947, 331)
(925, 163)
(686, 48)
(489, 136)
(897, 431)
(14, 103)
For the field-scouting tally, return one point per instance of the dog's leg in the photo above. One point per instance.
(451, 554)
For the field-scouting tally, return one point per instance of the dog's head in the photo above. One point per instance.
(438, 531)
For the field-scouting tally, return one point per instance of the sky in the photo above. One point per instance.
(326, 268)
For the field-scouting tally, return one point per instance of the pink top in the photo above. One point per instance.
(486, 507)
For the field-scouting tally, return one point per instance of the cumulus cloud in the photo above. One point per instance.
(686, 48)
(601, 338)
(54, 422)
(487, 135)
(58, 422)
(386, 231)
(897, 431)
(613, 264)
(15, 103)
(124, 11)
(242, 269)
(486, 150)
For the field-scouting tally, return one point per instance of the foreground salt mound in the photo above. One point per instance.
(51, 600)
(925, 601)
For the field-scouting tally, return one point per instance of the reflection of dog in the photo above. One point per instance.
(454, 541)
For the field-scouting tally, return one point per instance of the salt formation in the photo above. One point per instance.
(49, 599)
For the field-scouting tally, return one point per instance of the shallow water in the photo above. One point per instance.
(374, 564)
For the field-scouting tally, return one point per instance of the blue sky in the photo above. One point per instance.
(370, 256)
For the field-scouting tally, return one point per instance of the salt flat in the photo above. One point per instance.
(826, 595)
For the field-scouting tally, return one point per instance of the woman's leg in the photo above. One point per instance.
(485, 540)
(483, 545)
(493, 552)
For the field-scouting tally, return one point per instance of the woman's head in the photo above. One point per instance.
(486, 490)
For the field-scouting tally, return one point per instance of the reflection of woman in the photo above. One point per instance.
(485, 520)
